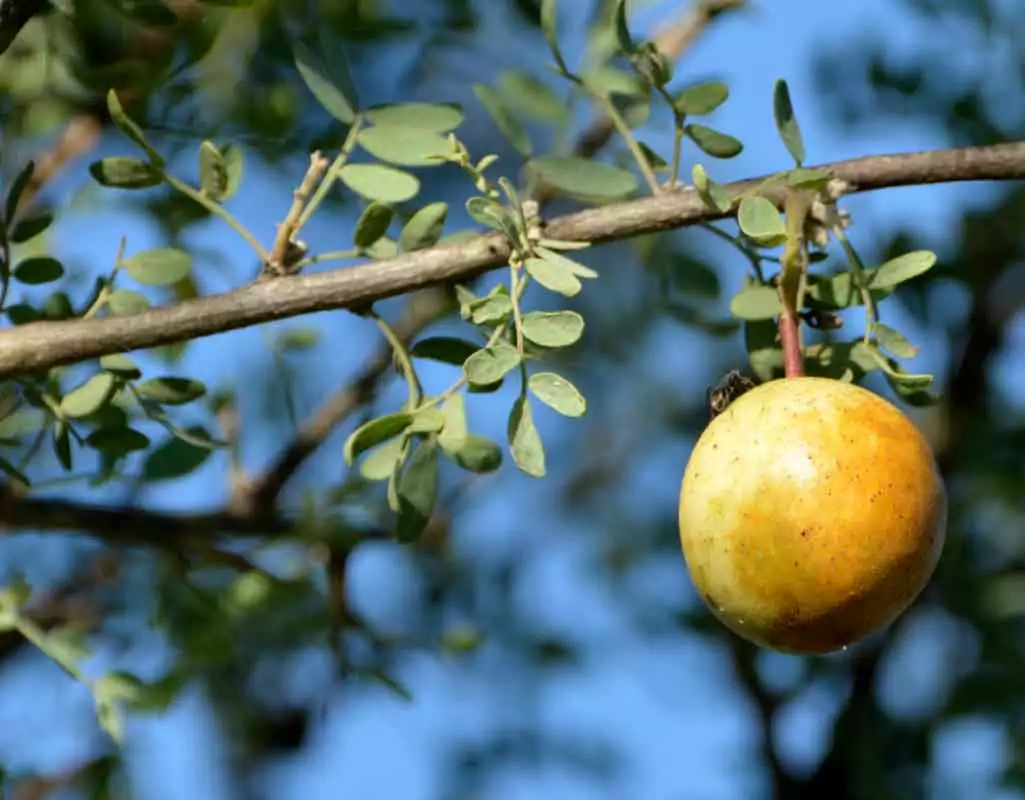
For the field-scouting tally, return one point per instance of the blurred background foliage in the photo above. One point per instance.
(520, 587)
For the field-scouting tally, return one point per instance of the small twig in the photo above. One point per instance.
(289, 228)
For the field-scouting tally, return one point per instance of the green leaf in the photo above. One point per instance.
(389, 682)
(655, 161)
(477, 454)
(553, 276)
(786, 121)
(65, 646)
(902, 268)
(760, 220)
(110, 719)
(804, 178)
(124, 302)
(372, 224)
(453, 434)
(437, 117)
(171, 391)
(42, 269)
(583, 178)
(117, 441)
(13, 473)
(121, 365)
(756, 303)
(160, 266)
(62, 445)
(510, 127)
(549, 25)
(446, 349)
(409, 147)
(89, 396)
(119, 172)
(213, 176)
(18, 186)
(298, 339)
(609, 81)
(528, 96)
(524, 441)
(129, 128)
(417, 491)
(558, 393)
(626, 43)
(175, 458)
(325, 70)
(21, 423)
(30, 227)
(565, 262)
(714, 143)
(378, 182)
(22, 314)
(701, 98)
(382, 461)
(427, 420)
(424, 228)
(763, 350)
(491, 310)
(487, 212)
(234, 163)
(892, 340)
(491, 364)
(374, 432)
(553, 328)
(383, 249)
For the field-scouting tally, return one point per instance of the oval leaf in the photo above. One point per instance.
(583, 178)
(378, 182)
(417, 492)
(558, 393)
(510, 127)
(756, 303)
(161, 266)
(553, 276)
(382, 461)
(410, 147)
(124, 302)
(117, 441)
(374, 432)
(447, 349)
(424, 228)
(714, 143)
(478, 454)
(701, 98)
(524, 441)
(175, 458)
(372, 224)
(786, 121)
(759, 219)
(124, 173)
(490, 365)
(89, 397)
(34, 271)
(553, 328)
(324, 70)
(437, 117)
(171, 391)
(902, 268)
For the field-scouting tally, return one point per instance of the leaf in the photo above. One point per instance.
(18, 186)
(372, 224)
(119, 172)
(553, 328)
(409, 147)
(487, 212)
(393, 685)
(62, 445)
(298, 339)
(786, 121)
(714, 143)
(902, 268)
(524, 441)
(30, 227)
(234, 163)
(655, 161)
(382, 461)
(530, 97)
(13, 473)
(756, 303)
(417, 491)
(424, 228)
(176, 458)
(66, 646)
(437, 117)
(477, 454)
(553, 276)
(160, 266)
(626, 43)
(129, 128)
(124, 302)
(378, 182)
(763, 350)
(42, 269)
(558, 393)
(760, 220)
(575, 267)
(324, 69)
(21, 423)
(171, 391)
(374, 432)
(22, 314)
(701, 98)
(427, 420)
(446, 349)
(491, 310)
(549, 25)
(117, 441)
(89, 396)
(489, 365)
(510, 127)
(121, 365)
(454, 433)
(892, 340)
(804, 178)
(583, 178)
(213, 174)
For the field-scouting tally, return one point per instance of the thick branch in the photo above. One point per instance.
(41, 345)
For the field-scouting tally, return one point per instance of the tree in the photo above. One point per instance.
(259, 583)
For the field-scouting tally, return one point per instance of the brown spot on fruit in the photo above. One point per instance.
(822, 530)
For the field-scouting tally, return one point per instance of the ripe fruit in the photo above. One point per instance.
(811, 514)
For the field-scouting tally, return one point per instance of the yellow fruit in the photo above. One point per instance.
(812, 514)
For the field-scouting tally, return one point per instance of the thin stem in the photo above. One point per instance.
(678, 120)
(218, 211)
(332, 172)
(514, 297)
(753, 256)
(858, 274)
(404, 360)
(631, 142)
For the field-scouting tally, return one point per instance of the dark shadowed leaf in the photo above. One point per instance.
(372, 224)
(424, 228)
(374, 432)
(175, 458)
(62, 445)
(17, 189)
(34, 271)
(447, 349)
(117, 441)
(786, 121)
(477, 454)
(417, 491)
(171, 391)
(713, 142)
(30, 227)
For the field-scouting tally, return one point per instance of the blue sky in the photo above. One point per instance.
(685, 732)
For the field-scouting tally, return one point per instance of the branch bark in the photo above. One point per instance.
(42, 345)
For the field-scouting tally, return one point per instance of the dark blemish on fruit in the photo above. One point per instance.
(805, 534)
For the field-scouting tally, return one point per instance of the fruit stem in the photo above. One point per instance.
(792, 283)
(790, 338)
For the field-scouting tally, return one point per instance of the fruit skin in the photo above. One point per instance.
(812, 514)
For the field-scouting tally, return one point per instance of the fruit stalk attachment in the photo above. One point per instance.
(792, 282)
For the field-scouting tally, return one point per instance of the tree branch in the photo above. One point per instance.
(42, 345)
